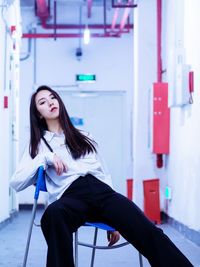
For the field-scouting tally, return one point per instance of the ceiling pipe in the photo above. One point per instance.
(78, 27)
(115, 16)
(42, 10)
(113, 23)
(79, 52)
(104, 26)
(128, 25)
(124, 19)
(89, 8)
(104, 16)
(29, 49)
(131, 4)
(67, 35)
(55, 18)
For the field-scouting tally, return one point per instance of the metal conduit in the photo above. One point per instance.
(42, 11)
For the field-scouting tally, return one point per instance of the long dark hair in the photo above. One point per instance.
(78, 143)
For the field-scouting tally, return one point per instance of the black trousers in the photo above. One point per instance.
(88, 199)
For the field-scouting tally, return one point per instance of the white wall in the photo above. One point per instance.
(111, 59)
(181, 166)
(182, 169)
(8, 82)
(4, 196)
(145, 70)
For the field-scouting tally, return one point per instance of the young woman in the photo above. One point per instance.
(79, 191)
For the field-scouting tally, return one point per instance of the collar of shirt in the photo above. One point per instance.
(49, 135)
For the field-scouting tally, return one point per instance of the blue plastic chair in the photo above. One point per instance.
(41, 186)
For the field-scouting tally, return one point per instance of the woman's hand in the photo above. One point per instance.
(59, 165)
(113, 237)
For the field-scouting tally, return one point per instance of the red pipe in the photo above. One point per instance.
(159, 157)
(125, 17)
(55, 17)
(89, 6)
(128, 23)
(115, 16)
(159, 25)
(65, 35)
(122, 5)
(104, 16)
(43, 13)
(75, 26)
(42, 10)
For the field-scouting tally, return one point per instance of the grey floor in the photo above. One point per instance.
(13, 239)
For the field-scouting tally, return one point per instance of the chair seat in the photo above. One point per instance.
(99, 225)
(94, 246)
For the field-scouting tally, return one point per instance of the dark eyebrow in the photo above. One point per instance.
(43, 98)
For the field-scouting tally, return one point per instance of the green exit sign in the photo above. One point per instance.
(85, 77)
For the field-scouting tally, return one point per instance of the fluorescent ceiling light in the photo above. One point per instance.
(86, 36)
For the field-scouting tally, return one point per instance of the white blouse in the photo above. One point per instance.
(25, 176)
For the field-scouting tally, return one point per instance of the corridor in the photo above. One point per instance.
(13, 239)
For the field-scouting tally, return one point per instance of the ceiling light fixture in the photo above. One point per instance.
(86, 35)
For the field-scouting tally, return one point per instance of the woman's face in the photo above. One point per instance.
(47, 105)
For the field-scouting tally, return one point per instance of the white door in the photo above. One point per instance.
(103, 114)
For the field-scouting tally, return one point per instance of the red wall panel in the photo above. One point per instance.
(161, 119)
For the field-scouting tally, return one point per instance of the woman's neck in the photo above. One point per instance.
(54, 126)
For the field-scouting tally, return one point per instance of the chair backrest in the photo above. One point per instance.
(41, 184)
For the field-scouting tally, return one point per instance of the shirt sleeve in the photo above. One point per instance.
(25, 174)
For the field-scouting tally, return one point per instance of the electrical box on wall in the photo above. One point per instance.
(180, 94)
(161, 119)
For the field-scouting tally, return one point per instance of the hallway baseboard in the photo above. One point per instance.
(30, 206)
(190, 234)
(4, 223)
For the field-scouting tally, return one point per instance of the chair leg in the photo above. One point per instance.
(76, 248)
(94, 249)
(29, 233)
(140, 259)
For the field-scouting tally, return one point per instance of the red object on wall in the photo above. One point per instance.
(12, 28)
(5, 102)
(191, 81)
(129, 184)
(152, 199)
(161, 119)
(159, 160)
